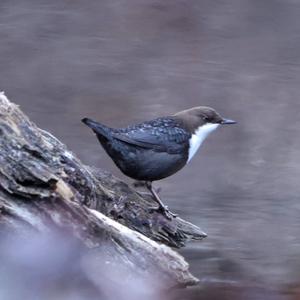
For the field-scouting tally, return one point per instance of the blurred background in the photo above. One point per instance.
(122, 62)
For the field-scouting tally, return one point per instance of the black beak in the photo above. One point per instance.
(227, 122)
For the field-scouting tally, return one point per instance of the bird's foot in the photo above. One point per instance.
(165, 211)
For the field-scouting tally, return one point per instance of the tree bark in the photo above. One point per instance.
(44, 185)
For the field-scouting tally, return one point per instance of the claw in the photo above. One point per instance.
(164, 210)
(161, 207)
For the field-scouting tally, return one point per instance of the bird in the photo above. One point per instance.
(156, 149)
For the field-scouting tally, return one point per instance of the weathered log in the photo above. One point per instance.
(43, 184)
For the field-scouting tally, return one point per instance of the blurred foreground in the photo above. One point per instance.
(57, 266)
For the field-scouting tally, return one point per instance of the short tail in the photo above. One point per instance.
(97, 127)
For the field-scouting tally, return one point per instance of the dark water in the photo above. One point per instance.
(122, 62)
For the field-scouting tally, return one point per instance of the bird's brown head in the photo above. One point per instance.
(195, 117)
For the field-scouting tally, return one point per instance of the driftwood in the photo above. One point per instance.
(44, 185)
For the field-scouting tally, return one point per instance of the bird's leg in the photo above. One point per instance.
(139, 183)
(161, 206)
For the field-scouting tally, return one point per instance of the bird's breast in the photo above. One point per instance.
(198, 138)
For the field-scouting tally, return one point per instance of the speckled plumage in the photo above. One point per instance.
(148, 151)
(161, 134)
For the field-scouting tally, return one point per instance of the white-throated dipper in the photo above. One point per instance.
(156, 149)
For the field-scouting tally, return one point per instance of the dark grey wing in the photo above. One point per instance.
(162, 135)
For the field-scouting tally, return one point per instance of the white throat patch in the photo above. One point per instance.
(199, 136)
